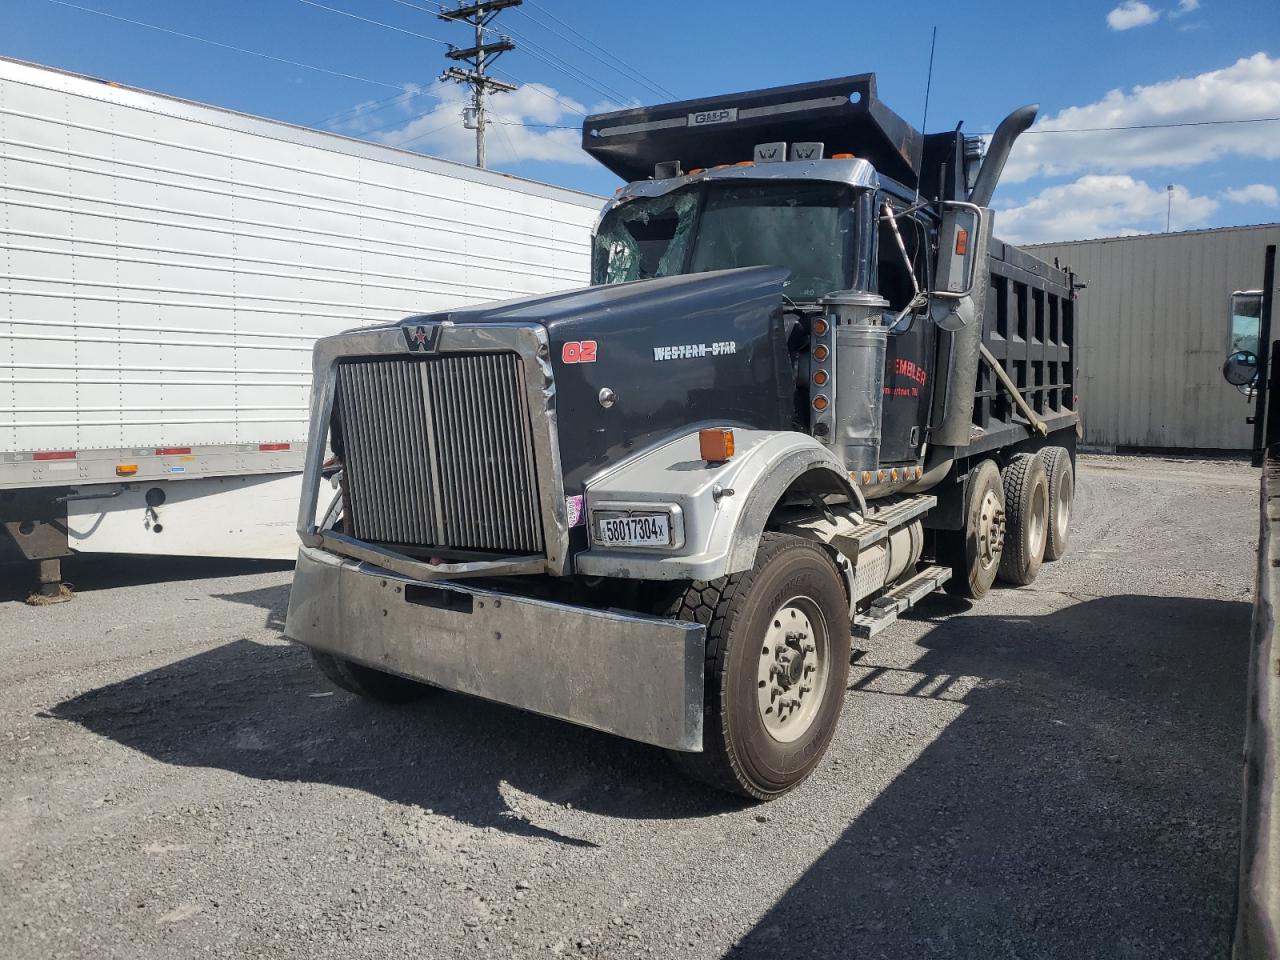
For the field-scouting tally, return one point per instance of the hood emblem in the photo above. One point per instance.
(421, 337)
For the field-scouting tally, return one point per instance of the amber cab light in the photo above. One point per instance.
(715, 445)
(820, 328)
(962, 242)
(820, 378)
(819, 402)
(843, 156)
(820, 352)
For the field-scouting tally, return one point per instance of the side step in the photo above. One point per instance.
(887, 608)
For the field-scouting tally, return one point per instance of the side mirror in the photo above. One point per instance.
(964, 234)
(1241, 368)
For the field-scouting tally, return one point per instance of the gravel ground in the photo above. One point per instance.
(1052, 772)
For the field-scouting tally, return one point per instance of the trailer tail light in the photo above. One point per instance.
(715, 445)
(54, 455)
(820, 352)
(820, 328)
(820, 378)
(271, 447)
(819, 402)
(171, 451)
(962, 241)
(126, 469)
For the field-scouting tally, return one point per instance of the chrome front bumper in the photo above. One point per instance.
(637, 677)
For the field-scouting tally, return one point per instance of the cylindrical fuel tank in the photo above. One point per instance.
(859, 340)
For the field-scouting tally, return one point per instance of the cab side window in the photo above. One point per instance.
(893, 272)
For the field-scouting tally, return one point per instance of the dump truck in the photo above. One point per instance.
(806, 388)
(167, 267)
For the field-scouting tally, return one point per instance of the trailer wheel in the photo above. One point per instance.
(369, 683)
(1026, 497)
(777, 662)
(974, 552)
(1062, 492)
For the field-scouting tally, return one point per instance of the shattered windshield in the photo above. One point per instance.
(805, 227)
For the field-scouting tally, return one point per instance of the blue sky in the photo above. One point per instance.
(1114, 63)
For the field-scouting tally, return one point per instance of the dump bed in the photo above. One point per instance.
(1029, 326)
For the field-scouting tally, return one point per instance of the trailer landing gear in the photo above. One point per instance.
(49, 585)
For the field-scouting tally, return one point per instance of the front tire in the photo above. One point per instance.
(777, 661)
(369, 683)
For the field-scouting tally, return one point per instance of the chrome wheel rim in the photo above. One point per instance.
(990, 530)
(793, 666)
(1062, 508)
(1036, 528)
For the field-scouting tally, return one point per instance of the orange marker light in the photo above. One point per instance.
(962, 241)
(866, 476)
(745, 163)
(695, 171)
(715, 445)
(126, 469)
(820, 352)
(820, 328)
(843, 156)
(820, 378)
(819, 402)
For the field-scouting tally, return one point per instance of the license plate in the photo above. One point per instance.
(653, 530)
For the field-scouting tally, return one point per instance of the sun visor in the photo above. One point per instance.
(844, 115)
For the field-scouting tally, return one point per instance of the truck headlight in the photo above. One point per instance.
(637, 526)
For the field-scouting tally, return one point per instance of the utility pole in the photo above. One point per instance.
(479, 15)
(1168, 215)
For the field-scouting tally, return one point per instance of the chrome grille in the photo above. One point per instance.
(437, 452)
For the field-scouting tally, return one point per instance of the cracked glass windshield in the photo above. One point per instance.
(805, 227)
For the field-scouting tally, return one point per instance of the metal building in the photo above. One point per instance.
(1153, 335)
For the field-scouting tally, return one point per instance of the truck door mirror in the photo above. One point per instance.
(963, 235)
(1241, 368)
(1246, 321)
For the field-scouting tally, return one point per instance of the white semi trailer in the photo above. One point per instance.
(166, 266)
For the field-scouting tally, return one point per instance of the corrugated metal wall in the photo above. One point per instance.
(1153, 334)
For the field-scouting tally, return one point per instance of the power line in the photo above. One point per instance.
(367, 107)
(557, 62)
(1153, 126)
(616, 60)
(563, 103)
(572, 108)
(228, 46)
(376, 23)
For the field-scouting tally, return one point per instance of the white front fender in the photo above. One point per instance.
(724, 507)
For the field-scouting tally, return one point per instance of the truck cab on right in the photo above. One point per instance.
(805, 389)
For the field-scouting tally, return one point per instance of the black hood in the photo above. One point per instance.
(677, 351)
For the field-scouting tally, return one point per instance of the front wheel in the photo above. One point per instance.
(777, 661)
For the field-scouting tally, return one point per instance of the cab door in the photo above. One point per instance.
(908, 374)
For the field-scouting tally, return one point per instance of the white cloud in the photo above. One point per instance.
(1255, 193)
(1130, 14)
(1185, 7)
(1250, 87)
(1100, 206)
(533, 122)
